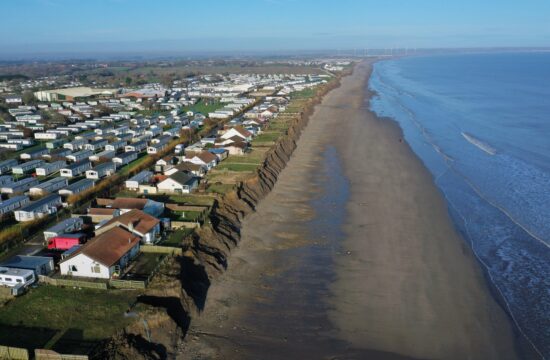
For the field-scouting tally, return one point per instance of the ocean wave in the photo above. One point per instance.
(479, 144)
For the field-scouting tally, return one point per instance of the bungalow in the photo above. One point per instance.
(63, 227)
(7, 165)
(115, 145)
(178, 183)
(237, 131)
(204, 158)
(165, 164)
(105, 256)
(125, 158)
(34, 154)
(140, 178)
(13, 203)
(38, 209)
(19, 186)
(27, 167)
(236, 148)
(77, 187)
(138, 146)
(194, 169)
(76, 168)
(50, 168)
(105, 155)
(98, 215)
(100, 171)
(138, 223)
(49, 186)
(96, 145)
(80, 155)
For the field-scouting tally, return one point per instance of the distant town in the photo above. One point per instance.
(104, 174)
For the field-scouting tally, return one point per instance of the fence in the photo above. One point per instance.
(185, 224)
(128, 284)
(42, 354)
(73, 283)
(156, 249)
(7, 352)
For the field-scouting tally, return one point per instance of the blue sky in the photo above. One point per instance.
(272, 25)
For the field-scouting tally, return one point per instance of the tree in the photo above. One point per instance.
(128, 80)
(28, 98)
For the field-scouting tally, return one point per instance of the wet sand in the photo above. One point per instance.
(351, 256)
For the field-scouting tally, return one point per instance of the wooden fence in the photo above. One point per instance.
(8, 352)
(128, 284)
(73, 283)
(156, 249)
(42, 354)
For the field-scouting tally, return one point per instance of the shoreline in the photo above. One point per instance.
(389, 335)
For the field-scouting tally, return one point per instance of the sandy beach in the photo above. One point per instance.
(351, 256)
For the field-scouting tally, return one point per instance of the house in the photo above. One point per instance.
(65, 226)
(204, 158)
(165, 164)
(137, 222)
(100, 171)
(19, 186)
(13, 203)
(16, 277)
(195, 169)
(38, 209)
(125, 158)
(76, 168)
(220, 153)
(34, 154)
(27, 167)
(49, 186)
(104, 256)
(50, 168)
(236, 148)
(140, 178)
(40, 265)
(178, 183)
(149, 206)
(237, 131)
(98, 215)
(7, 165)
(77, 187)
(80, 155)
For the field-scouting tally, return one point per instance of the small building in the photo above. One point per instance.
(151, 207)
(50, 168)
(19, 186)
(137, 222)
(100, 171)
(138, 179)
(40, 265)
(204, 158)
(49, 186)
(65, 226)
(38, 209)
(98, 215)
(77, 187)
(65, 241)
(13, 204)
(76, 169)
(104, 257)
(178, 183)
(27, 167)
(125, 158)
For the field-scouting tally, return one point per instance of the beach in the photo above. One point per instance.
(352, 255)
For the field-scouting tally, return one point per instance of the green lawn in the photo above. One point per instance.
(242, 159)
(303, 94)
(134, 164)
(175, 238)
(143, 265)
(97, 314)
(204, 106)
(220, 188)
(267, 136)
(237, 167)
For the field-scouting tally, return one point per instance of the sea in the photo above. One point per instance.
(481, 125)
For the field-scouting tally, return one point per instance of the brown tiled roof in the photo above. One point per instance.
(101, 211)
(243, 132)
(207, 156)
(129, 203)
(108, 247)
(142, 222)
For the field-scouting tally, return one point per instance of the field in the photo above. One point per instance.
(204, 107)
(237, 167)
(175, 238)
(87, 314)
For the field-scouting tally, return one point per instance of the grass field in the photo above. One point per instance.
(176, 237)
(204, 107)
(219, 188)
(267, 136)
(96, 314)
(304, 94)
(237, 167)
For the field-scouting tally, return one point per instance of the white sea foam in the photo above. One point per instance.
(479, 144)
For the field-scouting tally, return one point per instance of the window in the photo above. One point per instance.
(28, 278)
(8, 279)
(73, 268)
(19, 280)
(96, 268)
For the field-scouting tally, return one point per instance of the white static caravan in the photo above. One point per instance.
(138, 179)
(75, 144)
(138, 146)
(77, 187)
(96, 145)
(64, 227)
(100, 171)
(79, 155)
(13, 204)
(6, 165)
(19, 186)
(49, 186)
(27, 167)
(104, 155)
(16, 277)
(5, 179)
(156, 148)
(125, 158)
(38, 209)
(115, 145)
(50, 168)
(76, 169)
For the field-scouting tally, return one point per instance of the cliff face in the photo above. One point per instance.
(179, 292)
